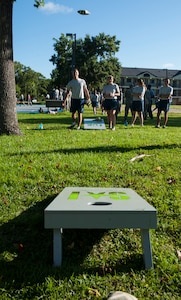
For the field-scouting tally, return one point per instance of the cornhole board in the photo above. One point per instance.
(95, 124)
(99, 208)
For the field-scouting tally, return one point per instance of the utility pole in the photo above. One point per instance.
(73, 37)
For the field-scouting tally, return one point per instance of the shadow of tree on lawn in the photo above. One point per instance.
(60, 119)
(102, 149)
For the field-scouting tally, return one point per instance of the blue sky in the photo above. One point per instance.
(149, 31)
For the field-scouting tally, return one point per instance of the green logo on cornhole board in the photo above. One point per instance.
(111, 195)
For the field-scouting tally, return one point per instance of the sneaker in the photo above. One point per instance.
(164, 126)
(132, 125)
(157, 126)
(78, 128)
(73, 125)
(113, 128)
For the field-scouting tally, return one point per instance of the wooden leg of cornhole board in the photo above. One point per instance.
(146, 246)
(57, 247)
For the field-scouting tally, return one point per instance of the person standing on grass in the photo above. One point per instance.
(110, 93)
(165, 96)
(95, 101)
(128, 104)
(29, 99)
(78, 87)
(22, 98)
(57, 93)
(119, 103)
(138, 101)
(149, 95)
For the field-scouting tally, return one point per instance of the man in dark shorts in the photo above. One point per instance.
(165, 96)
(78, 89)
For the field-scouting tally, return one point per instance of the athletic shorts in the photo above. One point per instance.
(163, 105)
(95, 104)
(110, 104)
(138, 105)
(77, 105)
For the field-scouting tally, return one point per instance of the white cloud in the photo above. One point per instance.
(52, 8)
(168, 66)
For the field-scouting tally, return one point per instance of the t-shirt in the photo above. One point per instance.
(94, 98)
(139, 90)
(165, 90)
(76, 86)
(149, 94)
(129, 95)
(111, 88)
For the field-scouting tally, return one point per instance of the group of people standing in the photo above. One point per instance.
(138, 100)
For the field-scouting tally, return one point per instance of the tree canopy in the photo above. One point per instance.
(94, 57)
(29, 81)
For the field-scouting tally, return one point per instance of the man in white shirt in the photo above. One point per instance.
(78, 87)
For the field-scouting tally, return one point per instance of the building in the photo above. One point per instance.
(154, 77)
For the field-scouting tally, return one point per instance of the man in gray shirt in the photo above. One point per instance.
(78, 89)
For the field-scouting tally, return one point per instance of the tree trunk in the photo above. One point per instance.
(8, 114)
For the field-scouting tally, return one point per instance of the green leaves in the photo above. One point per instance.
(39, 3)
(95, 58)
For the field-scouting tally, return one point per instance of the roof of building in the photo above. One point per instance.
(160, 73)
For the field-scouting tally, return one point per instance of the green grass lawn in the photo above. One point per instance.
(34, 169)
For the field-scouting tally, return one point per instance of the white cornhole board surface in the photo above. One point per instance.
(95, 124)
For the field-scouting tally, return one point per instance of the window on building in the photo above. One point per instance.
(174, 83)
(146, 75)
(159, 82)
